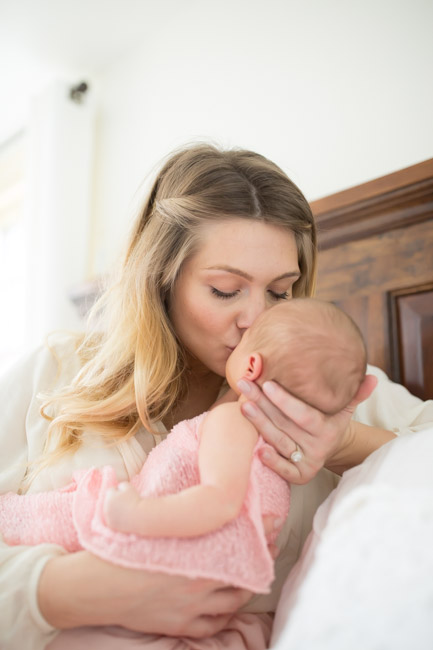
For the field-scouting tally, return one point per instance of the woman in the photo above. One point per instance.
(222, 237)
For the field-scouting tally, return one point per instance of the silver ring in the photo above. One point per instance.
(297, 455)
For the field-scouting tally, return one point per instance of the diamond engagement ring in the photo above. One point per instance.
(297, 455)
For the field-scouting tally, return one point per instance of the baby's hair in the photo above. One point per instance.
(313, 349)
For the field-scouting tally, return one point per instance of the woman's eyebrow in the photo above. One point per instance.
(247, 276)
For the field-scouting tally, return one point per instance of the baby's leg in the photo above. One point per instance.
(37, 518)
(243, 632)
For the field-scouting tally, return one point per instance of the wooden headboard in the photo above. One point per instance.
(376, 263)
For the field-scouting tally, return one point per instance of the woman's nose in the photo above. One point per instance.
(251, 310)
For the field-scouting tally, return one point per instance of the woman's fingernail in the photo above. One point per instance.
(250, 409)
(278, 523)
(268, 388)
(244, 386)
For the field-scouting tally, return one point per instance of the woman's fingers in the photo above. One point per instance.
(296, 473)
(278, 413)
(302, 438)
(268, 419)
(304, 416)
(271, 433)
(204, 626)
(364, 391)
(215, 611)
(205, 609)
(253, 393)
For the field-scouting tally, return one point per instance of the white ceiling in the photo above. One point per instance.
(44, 40)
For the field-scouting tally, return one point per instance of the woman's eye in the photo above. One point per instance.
(280, 296)
(223, 294)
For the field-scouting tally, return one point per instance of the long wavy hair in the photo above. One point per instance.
(133, 367)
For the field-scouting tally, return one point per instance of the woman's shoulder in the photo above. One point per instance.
(391, 406)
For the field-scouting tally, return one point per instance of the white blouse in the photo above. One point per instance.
(22, 436)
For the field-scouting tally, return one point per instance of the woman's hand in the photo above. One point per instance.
(81, 589)
(290, 425)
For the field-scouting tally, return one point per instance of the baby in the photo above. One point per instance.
(310, 347)
(196, 508)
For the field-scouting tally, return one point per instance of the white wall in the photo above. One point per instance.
(46, 182)
(335, 91)
(61, 134)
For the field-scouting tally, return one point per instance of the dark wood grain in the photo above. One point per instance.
(376, 263)
(377, 187)
(415, 329)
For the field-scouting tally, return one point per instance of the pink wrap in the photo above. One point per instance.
(236, 554)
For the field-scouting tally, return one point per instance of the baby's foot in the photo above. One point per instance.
(120, 507)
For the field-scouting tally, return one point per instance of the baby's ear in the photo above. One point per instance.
(255, 366)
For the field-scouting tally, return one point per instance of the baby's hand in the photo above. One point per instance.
(120, 507)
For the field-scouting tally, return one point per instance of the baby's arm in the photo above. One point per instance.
(225, 455)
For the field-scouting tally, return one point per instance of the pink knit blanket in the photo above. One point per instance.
(236, 554)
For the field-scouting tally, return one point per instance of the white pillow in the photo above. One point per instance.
(365, 577)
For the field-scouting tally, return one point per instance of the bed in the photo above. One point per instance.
(365, 576)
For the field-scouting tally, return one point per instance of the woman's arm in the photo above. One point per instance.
(390, 410)
(21, 623)
(360, 441)
(81, 589)
(227, 441)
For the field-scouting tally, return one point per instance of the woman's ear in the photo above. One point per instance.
(255, 367)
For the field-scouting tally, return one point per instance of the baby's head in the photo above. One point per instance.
(310, 347)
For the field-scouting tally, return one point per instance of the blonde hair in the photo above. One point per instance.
(313, 349)
(134, 370)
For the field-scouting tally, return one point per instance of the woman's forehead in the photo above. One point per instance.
(244, 242)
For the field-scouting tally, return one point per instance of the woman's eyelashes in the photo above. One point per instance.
(285, 295)
(223, 295)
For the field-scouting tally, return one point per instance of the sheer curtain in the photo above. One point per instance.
(13, 258)
(48, 247)
(61, 148)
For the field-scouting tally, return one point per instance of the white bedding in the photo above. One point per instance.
(365, 578)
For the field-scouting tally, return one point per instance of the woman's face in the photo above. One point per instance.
(241, 268)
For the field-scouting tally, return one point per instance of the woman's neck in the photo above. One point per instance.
(201, 393)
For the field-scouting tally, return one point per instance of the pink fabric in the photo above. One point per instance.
(38, 518)
(243, 632)
(236, 554)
